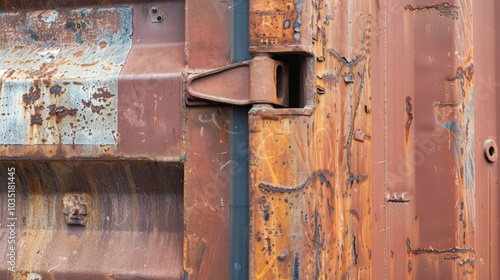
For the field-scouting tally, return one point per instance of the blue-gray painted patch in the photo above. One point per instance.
(59, 75)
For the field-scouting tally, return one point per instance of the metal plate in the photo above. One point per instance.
(60, 75)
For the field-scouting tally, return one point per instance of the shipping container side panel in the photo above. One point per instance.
(486, 40)
(310, 168)
(431, 126)
(430, 192)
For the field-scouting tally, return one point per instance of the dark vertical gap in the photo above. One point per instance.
(238, 266)
(296, 68)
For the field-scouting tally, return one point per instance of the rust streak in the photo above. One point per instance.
(409, 111)
(354, 213)
(318, 243)
(445, 9)
(358, 177)
(314, 176)
(155, 118)
(431, 250)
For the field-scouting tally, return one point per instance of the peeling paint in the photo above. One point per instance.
(445, 9)
(53, 82)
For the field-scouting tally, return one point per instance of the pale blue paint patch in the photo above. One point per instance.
(469, 141)
(50, 18)
(461, 125)
(64, 93)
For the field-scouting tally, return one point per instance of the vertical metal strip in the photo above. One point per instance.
(239, 153)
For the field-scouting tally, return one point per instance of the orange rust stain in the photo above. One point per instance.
(310, 181)
(103, 44)
(78, 54)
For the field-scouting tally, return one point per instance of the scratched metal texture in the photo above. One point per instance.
(426, 116)
(159, 186)
(383, 176)
(310, 167)
(208, 164)
(102, 94)
(435, 72)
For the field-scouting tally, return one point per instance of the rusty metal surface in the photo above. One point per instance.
(310, 179)
(134, 219)
(437, 107)
(103, 104)
(150, 106)
(60, 75)
(385, 167)
(134, 226)
(260, 80)
(281, 26)
(206, 201)
(432, 212)
(429, 155)
(207, 162)
(486, 42)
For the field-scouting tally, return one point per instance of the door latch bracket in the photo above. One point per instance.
(261, 80)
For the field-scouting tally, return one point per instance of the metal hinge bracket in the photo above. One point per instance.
(260, 80)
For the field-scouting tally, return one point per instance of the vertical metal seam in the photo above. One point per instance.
(385, 136)
(239, 139)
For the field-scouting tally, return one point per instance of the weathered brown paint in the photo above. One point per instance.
(133, 223)
(380, 174)
(429, 156)
(158, 137)
(206, 148)
(432, 212)
(486, 42)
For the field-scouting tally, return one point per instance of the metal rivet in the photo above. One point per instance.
(75, 208)
(282, 255)
(490, 150)
(154, 10)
